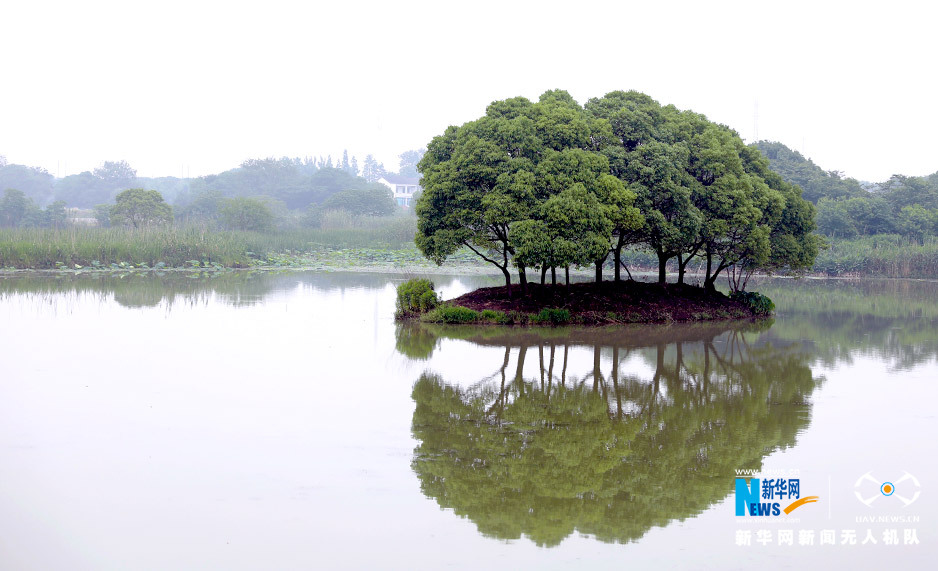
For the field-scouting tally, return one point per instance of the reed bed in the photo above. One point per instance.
(187, 246)
(883, 255)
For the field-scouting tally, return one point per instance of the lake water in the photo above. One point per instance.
(284, 421)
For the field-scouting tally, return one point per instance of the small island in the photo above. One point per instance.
(551, 185)
(585, 303)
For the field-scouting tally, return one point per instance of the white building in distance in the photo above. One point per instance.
(402, 187)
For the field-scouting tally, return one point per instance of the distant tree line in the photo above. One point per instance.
(846, 208)
(258, 195)
(552, 184)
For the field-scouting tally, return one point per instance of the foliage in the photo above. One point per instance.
(758, 303)
(552, 316)
(452, 314)
(19, 211)
(34, 182)
(846, 209)
(372, 170)
(815, 182)
(493, 316)
(243, 213)
(409, 160)
(298, 183)
(915, 222)
(371, 201)
(416, 296)
(886, 255)
(137, 207)
(84, 190)
(553, 184)
(150, 246)
(116, 174)
(13, 207)
(102, 214)
(488, 186)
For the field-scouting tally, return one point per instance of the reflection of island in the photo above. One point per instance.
(605, 451)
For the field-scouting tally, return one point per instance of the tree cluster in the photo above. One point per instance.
(34, 182)
(846, 208)
(902, 205)
(552, 184)
(20, 211)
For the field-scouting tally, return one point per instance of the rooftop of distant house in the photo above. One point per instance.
(397, 179)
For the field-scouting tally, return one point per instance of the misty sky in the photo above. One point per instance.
(196, 87)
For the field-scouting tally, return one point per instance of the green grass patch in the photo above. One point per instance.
(452, 314)
(552, 316)
(493, 316)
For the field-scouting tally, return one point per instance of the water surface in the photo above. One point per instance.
(259, 421)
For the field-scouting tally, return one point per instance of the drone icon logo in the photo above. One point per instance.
(887, 489)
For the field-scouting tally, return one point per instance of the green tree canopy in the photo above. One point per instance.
(552, 183)
(496, 183)
(241, 213)
(116, 174)
(137, 207)
(370, 201)
(815, 182)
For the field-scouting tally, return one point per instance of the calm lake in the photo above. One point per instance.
(284, 421)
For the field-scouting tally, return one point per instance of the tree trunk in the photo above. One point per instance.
(617, 252)
(543, 273)
(553, 275)
(709, 280)
(507, 279)
(523, 279)
(662, 269)
(566, 271)
(680, 268)
(599, 271)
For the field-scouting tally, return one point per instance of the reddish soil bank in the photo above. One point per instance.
(627, 301)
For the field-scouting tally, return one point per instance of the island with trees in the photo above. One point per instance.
(549, 185)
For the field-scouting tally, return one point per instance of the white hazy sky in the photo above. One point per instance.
(196, 87)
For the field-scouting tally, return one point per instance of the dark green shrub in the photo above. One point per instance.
(552, 316)
(755, 301)
(416, 296)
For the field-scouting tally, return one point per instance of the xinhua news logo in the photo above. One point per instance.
(765, 497)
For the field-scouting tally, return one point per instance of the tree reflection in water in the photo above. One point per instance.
(606, 451)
